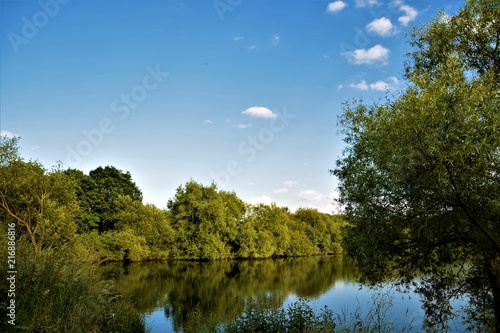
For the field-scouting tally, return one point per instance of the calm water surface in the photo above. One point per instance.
(167, 292)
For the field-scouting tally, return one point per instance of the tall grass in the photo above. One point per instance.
(55, 292)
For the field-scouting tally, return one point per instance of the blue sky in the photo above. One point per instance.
(243, 93)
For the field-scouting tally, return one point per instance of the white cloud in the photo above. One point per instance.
(324, 203)
(410, 14)
(290, 183)
(340, 86)
(8, 134)
(311, 195)
(243, 126)
(34, 147)
(378, 53)
(281, 190)
(364, 3)
(335, 6)
(360, 86)
(263, 199)
(382, 85)
(252, 47)
(208, 121)
(382, 27)
(238, 38)
(379, 85)
(259, 112)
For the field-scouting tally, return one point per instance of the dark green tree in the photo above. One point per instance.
(86, 189)
(420, 175)
(98, 195)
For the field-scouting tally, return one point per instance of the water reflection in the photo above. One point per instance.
(169, 291)
(221, 288)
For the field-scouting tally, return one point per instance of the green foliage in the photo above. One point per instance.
(299, 317)
(42, 203)
(146, 221)
(98, 195)
(420, 175)
(9, 150)
(471, 37)
(88, 219)
(57, 293)
(73, 219)
(322, 229)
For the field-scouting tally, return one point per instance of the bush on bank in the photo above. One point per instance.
(54, 292)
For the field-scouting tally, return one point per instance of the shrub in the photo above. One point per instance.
(57, 293)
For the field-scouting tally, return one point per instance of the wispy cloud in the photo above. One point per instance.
(311, 195)
(252, 47)
(380, 85)
(290, 183)
(243, 126)
(323, 202)
(281, 190)
(382, 27)
(8, 134)
(336, 6)
(376, 54)
(259, 112)
(238, 38)
(208, 121)
(410, 14)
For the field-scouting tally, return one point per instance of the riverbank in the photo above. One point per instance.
(56, 292)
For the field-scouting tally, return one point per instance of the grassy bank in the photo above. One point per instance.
(54, 292)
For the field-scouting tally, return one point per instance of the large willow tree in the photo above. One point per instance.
(420, 175)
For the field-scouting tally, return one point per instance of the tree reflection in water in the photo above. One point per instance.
(221, 288)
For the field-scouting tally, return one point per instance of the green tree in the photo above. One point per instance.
(471, 37)
(147, 221)
(322, 229)
(41, 202)
(86, 193)
(98, 195)
(420, 176)
(205, 221)
(271, 224)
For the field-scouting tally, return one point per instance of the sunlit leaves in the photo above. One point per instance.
(420, 175)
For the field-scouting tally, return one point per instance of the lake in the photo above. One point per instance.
(167, 292)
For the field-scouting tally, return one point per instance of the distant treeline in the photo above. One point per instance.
(101, 215)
